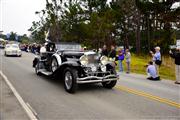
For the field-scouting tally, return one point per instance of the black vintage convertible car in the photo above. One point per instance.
(75, 66)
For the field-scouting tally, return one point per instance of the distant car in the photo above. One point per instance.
(12, 50)
(75, 66)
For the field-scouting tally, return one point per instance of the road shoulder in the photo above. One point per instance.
(10, 109)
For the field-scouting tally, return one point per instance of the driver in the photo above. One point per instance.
(50, 46)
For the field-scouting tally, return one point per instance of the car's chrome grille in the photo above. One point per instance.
(98, 73)
(14, 51)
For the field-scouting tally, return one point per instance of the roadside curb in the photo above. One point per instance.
(29, 112)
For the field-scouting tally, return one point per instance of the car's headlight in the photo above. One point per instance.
(104, 60)
(84, 60)
(103, 68)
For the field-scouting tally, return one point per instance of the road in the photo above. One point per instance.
(128, 100)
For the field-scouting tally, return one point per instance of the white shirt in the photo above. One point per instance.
(43, 49)
(128, 57)
(157, 56)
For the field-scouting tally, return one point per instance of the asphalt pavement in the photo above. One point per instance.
(91, 102)
(10, 109)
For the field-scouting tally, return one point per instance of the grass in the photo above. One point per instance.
(166, 71)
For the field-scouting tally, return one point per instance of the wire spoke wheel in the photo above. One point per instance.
(54, 65)
(68, 80)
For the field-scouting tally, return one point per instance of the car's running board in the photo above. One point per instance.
(45, 72)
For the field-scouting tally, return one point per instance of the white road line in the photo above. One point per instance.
(34, 112)
(19, 98)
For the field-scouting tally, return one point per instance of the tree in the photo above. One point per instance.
(142, 24)
(160, 18)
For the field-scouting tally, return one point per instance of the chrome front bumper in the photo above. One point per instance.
(95, 79)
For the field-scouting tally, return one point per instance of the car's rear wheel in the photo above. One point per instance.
(37, 69)
(54, 65)
(70, 80)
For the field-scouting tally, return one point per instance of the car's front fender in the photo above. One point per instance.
(70, 64)
(58, 58)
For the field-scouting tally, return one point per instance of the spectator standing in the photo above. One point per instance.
(26, 48)
(176, 56)
(38, 48)
(128, 60)
(100, 51)
(156, 58)
(33, 49)
(112, 53)
(30, 48)
(151, 72)
(105, 51)
(121, 58)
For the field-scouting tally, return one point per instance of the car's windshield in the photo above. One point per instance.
(12, 46)
(76, 47)
(8, 46)
(15, 46)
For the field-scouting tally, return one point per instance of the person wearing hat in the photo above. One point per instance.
(176, 55)
(156, 58)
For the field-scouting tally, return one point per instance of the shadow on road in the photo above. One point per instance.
(81, 87)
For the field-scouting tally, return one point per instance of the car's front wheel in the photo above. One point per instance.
(109, 84)
(70, 80)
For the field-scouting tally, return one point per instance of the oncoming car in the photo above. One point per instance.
(12, 50)
(75, 66)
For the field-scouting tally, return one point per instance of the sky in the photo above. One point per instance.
(18, 15)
